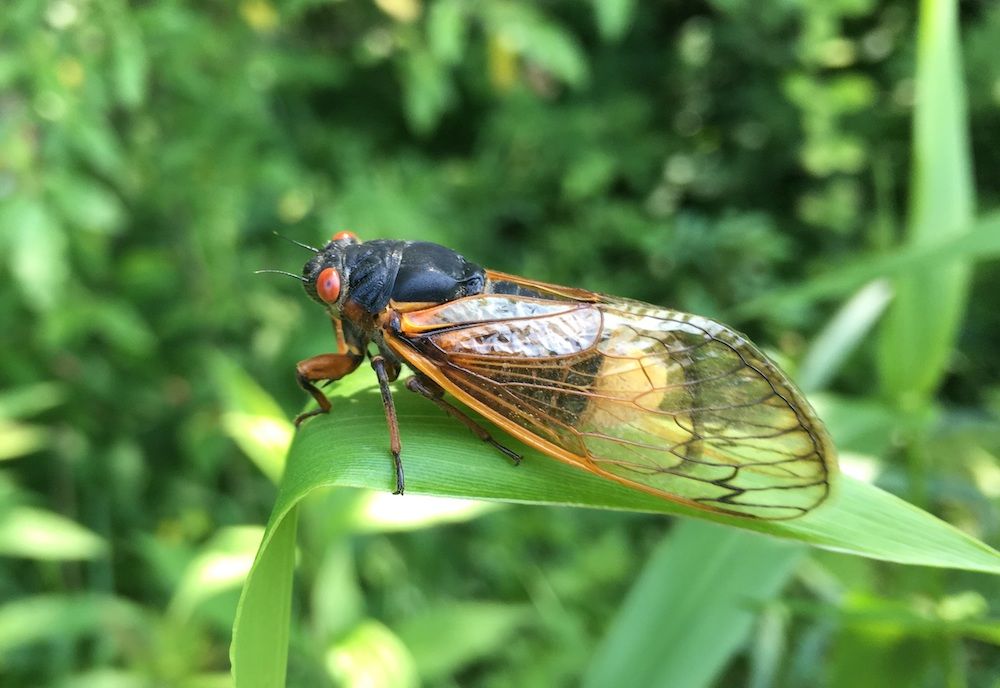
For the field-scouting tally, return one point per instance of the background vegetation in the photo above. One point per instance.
(703, 155)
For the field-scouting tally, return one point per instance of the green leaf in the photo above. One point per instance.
(613, 17)
(443, 459)
(710, 583)
(54, 618)
(447, 30)
(920, 328)
(981, 241)
(447, 637)
(18, 439)
(39, 534)
(382, 512)
(427, 89)
(86, 204)
(349, 448)
(106, 677)
(371, 655)
(252, 418)
(260, 633)
(21, 402)
(842, 335)
(530, 34)
(221, 565)
(338, 602)
(131, 63)
(36, 250)
(768, 647)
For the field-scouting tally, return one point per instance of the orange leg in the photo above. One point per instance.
(332, 367)
(323, 367)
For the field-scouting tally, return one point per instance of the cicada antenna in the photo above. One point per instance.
(283, 272)
(297, 243)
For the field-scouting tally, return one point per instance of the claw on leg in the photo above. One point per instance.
(305, 415)
(400, 480)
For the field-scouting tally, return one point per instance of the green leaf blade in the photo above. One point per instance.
(259, 651)
(712, 582)
(349, 448)
(922, 324)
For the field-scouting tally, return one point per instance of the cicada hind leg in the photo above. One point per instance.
(428, 389)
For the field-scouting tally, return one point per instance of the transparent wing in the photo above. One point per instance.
(671, 403)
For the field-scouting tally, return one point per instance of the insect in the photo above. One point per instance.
(673, 404)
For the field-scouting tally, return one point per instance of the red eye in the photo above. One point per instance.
(328, 285)
(346, 235)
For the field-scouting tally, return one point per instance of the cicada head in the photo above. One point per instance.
(325, 277)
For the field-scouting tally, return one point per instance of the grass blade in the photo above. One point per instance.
(692, 608)
(349, 448)
(980, 240)
(842, 335)
(259, 651)
(922, 323)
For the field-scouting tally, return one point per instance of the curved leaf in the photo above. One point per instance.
(349, 448)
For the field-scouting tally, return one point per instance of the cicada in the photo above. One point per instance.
(670, 403)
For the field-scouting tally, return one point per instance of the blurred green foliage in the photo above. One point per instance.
(695, 154)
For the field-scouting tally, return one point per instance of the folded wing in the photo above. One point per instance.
(670, 403)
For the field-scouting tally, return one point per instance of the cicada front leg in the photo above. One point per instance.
(325, 367)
